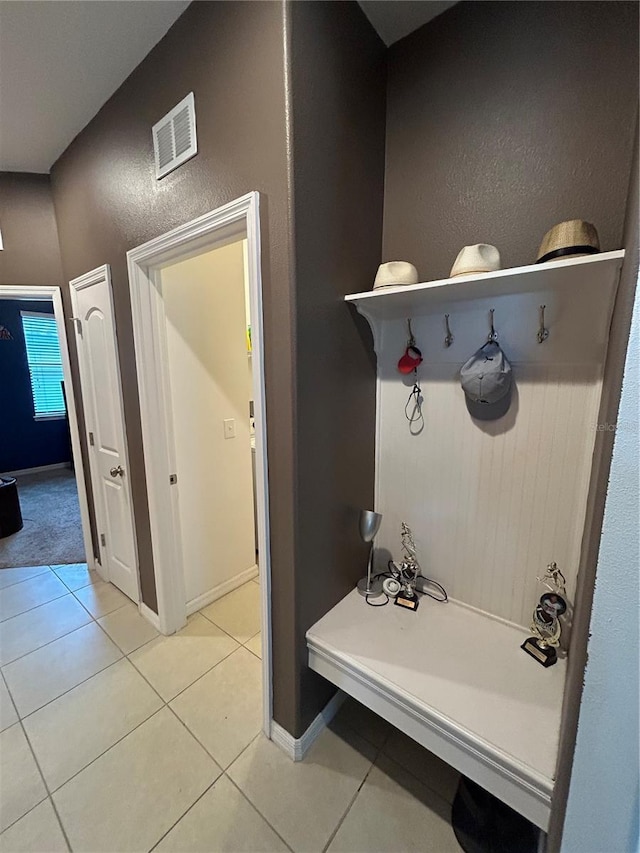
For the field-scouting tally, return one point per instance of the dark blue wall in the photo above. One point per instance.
(24, 442)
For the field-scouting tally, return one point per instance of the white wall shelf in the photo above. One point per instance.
(456, 681)
(575, 275)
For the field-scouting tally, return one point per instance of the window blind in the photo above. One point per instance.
(45, 364)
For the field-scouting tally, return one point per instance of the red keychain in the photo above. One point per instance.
(409, 363)
(412, 357)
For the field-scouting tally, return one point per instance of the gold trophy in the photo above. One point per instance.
(545, 623)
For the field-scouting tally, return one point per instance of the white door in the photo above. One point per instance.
(104, 419)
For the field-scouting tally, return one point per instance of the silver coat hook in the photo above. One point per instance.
(449, 337)
(543, 332)
(412, 340)
(493, 335)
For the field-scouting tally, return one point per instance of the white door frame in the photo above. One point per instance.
(45, 292)
(93, 277)
(233, 221)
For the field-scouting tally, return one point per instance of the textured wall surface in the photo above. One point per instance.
(583, 625)
(504, 119)
(31, 253)
(107, 201)
(604, 781)
(338, 157)
(24, 442)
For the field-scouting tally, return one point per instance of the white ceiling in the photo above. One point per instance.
(60, 61)
(395, 19)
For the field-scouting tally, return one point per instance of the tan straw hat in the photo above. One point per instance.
(568, 239)
(395, 274)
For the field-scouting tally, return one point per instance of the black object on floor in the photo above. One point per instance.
(52, 532)
(484, 824)
(10, 515)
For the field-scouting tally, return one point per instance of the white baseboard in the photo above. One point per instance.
(37, 470)
(221, 589)
(297, 748)
(149, 615)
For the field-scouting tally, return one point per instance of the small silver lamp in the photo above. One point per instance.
(369, 526)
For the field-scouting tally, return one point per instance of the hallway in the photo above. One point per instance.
(116, 738)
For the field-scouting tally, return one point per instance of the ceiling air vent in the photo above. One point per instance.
(174, 137)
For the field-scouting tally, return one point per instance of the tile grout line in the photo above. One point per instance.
(246, 796)
(123, 656)
(421, 782)
(20, 720)
(30, 578)
(223, 770)
(382, 754)
(165, 704)
(84, 680)
(47, 797)
(184, 814)
(102, 615)
(50, 570)
(64, 693)
(378, 751)
(252, 804)
(11, 699)
(141, 723)
(209, 619)
(44, 781)
(167, 701)
(66, 634)
(104, 751)
(35, 606)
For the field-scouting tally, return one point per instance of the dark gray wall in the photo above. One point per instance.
(107, 201)
(31, 256)
(505, 118)
(320, 378)
(31, 253)
(338, 86)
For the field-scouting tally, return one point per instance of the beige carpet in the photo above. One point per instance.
(52, 532)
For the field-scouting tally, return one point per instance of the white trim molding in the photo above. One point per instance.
(239, 219)
(38, 469)
(297, 748)
(221, 589)
(148, 614)
(55, 295)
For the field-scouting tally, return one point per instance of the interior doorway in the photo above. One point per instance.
(42, 465)
(196, 382)
(209, 359)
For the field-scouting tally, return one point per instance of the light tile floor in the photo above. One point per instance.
(115, 738)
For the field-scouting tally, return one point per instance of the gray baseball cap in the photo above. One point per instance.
(486, 382)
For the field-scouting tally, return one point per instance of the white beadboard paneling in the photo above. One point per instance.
(490, 503)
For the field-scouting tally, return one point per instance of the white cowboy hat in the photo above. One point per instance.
(476, 259)
(395, 274)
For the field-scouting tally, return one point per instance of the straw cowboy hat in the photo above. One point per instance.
(476, 259)
(395, 274)
(569, 239)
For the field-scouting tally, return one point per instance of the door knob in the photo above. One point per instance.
(118, 471)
